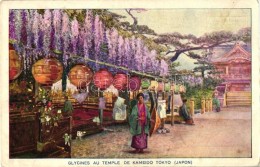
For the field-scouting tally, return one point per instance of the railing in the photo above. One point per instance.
(235, 76)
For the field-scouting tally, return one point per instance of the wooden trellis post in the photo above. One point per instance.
(210, 104)
(207, 105)
(202, 106)
(192, 106)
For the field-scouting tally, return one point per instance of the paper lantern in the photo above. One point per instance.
(145, 83)
(172, 87)
(160, 86)
(134, 83)
(15, 67)
(167, 87)
(47, 71)
(154, 85)
(182, 89)
(176, 88)
(80, 75)
(103, 79)
(120, 81)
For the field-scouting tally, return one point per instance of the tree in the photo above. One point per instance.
(203, 67)
(135, 28)
(187, 44)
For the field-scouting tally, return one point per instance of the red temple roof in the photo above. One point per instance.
(236, 54)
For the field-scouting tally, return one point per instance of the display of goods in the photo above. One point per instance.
(120, 81)
(15, 67)
(160, 86)
(134, 83)
(81, 76)
(145, 83)
(103, 79)
(47, 71)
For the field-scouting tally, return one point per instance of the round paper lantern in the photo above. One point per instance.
(120, 81)
(134, 83)
(47, 71)
(172, 87)
(154, 85)
(182, 89)
(80, 75)
(160, 86)
(145, 83)
(177, 88)
(103, 79)
(167, 87)
(15, 67)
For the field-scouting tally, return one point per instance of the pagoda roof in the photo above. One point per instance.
(235, 54)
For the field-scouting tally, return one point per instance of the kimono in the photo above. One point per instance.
(184, 112)
(216, 103)
(139, 121)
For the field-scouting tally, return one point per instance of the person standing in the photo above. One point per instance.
(68, 108)
(139, 122)
(216, 103)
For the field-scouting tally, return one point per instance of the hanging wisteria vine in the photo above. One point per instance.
(53, 31)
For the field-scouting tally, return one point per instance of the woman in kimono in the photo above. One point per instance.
(139, 121)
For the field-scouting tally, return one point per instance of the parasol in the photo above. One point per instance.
(157, 121)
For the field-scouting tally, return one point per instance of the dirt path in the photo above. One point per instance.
(223, 134)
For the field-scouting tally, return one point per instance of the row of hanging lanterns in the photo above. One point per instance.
(49, 70)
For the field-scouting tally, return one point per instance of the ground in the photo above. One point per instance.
(223, 134)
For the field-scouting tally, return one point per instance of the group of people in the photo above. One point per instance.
(140, 120)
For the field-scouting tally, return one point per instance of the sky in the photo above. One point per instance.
(191, 21)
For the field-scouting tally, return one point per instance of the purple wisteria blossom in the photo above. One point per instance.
(46, 28)
(88, 36)
(74, 35)
(53, 30)
(57, 23)
(12, 34)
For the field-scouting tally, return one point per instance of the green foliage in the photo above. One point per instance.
(202, 91)
(198, 93)
(211, 83)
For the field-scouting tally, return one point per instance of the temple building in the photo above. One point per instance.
(234, 66)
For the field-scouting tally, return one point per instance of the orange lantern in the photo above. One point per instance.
(120, 81)
(103, 79)
(47, 71)
(80, 75)
(15, 67)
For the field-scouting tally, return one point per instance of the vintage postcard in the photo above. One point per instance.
(129, 83)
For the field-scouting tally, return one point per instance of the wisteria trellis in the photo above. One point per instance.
(40, 34)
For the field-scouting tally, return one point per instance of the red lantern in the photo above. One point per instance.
(103, 79)
(134, 83)
(15, 67)
(47, 71)
(120, 81)
(80, 76)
